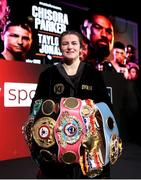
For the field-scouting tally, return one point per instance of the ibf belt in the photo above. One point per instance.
(69, 130)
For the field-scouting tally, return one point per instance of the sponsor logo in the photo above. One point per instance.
(18, 94)
(59, 88)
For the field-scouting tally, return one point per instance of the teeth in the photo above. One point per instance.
(100, 156)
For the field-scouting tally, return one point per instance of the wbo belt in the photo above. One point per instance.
(69, 130)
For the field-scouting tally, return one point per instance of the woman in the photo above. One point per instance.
(69, 78)
(133, 70)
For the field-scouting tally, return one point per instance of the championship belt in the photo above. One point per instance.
(102, 144)
(91, 161)
(80, 123)
(43, 129)
(69, 130)
(26, 129)
(42, 132)
(113, 143)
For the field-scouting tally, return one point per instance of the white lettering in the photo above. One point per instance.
(48, 14)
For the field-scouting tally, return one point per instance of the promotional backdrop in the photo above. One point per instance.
(18, 80)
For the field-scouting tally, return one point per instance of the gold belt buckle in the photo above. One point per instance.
(48, 107)
(43, 132)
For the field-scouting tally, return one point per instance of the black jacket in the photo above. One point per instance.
(54, 83)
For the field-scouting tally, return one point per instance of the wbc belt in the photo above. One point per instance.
(69, 130)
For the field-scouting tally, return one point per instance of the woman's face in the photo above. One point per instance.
(133, 73)
(70, 46)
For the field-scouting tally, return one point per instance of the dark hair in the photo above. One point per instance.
(133, 65)
(119, 45)
(21, 24)
(131, 47)
(98, 11)
(71, 32)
